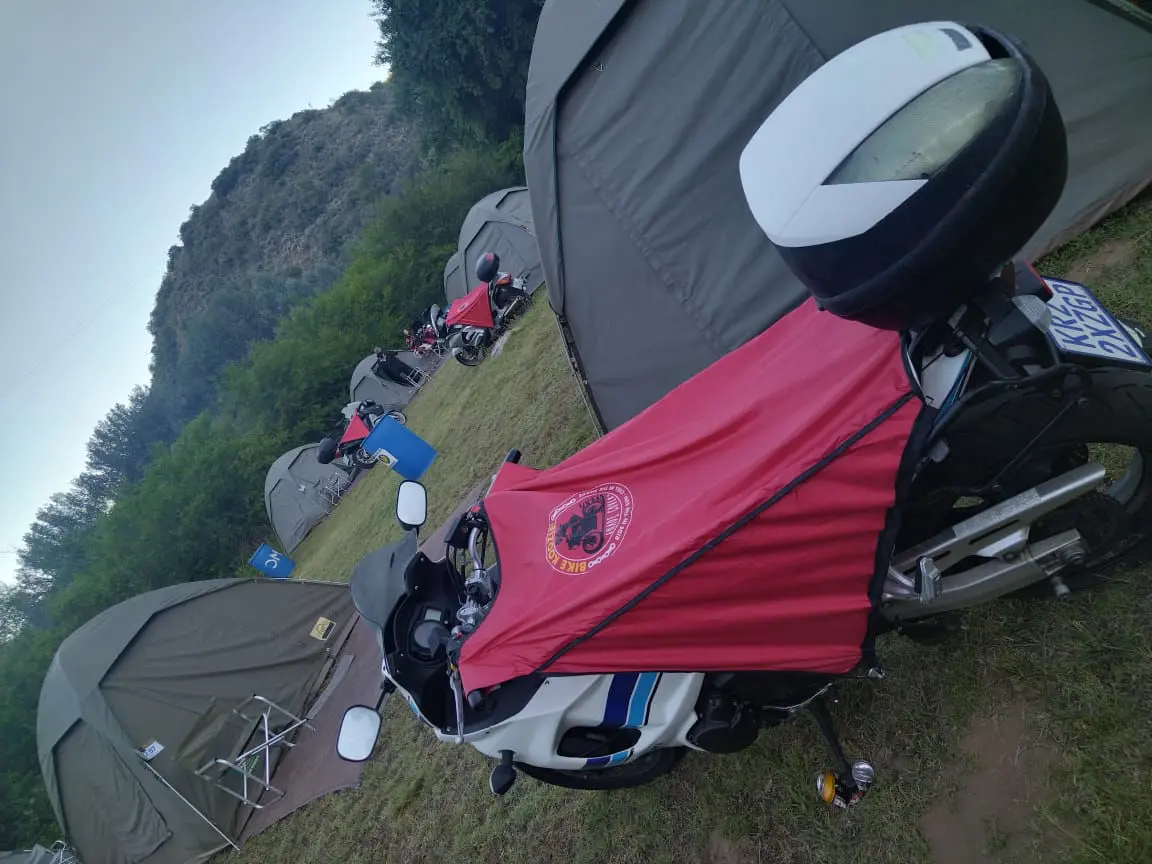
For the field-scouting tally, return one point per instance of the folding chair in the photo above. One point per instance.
(254, 765)
(62, 854)
(335, 489)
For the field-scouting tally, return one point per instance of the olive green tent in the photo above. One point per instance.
(636, 114)
(294, 494)
(145, 695)
(500, 222)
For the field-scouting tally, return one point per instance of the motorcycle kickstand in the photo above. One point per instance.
(846, 783)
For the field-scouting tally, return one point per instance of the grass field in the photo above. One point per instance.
(1027, 738)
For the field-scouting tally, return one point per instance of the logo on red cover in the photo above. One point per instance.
(588, 527)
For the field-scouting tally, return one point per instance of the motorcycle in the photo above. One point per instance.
(922, 447)
(360, 419)
(476, 320)
(421, 339)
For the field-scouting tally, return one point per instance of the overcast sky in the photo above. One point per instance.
(114, 118)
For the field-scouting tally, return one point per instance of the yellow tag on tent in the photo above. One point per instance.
(323, 629)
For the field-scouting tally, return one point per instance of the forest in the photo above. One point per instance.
(319, 241)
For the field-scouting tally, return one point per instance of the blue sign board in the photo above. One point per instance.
(400, 448)
(272, 563)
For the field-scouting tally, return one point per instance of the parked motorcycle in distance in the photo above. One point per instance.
(438, 321)
(476, 320)
(361, 418)
(421, 339)
(917, 439)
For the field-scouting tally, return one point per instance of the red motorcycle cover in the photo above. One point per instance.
(731, 526)
(356, 430)
(471, 309)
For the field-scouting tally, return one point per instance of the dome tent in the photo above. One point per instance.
(138, 698)
(455, 283)
(500, 222)
(366, 384)
(636, 114)
(292, 496)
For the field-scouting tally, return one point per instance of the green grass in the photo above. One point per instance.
(1082, 670)
(523, 398)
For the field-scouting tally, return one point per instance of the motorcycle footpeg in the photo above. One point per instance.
(503, 775)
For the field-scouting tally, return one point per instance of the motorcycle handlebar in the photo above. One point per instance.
(473, 537)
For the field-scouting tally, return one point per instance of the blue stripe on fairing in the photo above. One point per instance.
(629, 696)
(605, 761)
(641, 697)
(619, 694)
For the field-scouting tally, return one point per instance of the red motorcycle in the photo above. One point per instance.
(476, 320)
(362, 418)
(423, 341)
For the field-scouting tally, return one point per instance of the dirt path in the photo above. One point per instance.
(991, 816)
(1114, 253)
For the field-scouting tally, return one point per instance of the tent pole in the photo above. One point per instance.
(208, 821)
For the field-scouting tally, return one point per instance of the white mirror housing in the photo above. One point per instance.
(411, 505)
(359, 731)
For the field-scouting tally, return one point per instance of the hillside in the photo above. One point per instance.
(277, 227)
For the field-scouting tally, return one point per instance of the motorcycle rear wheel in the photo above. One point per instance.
(642, 770)
(469, 356)
(1116, 521)
(363, 461)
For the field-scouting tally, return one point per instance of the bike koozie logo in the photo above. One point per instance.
(588, 527)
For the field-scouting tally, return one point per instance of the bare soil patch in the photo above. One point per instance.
(1114, 253)
(990, 818)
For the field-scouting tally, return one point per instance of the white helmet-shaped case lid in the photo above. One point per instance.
(897, 177)
(784, 167)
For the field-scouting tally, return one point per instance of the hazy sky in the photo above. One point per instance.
(114, 119)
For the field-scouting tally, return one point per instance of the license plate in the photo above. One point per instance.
(1082, 325)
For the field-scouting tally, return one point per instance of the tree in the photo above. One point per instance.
(120, 445)
(459, 68)
(26, 816)
(54, 550)
(248, 362)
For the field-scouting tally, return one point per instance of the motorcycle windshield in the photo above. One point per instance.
(379, 583)
(731, 526)
(472, 309)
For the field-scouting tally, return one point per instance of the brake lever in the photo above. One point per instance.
(452, 647)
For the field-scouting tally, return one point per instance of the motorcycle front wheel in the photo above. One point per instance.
(470, 356)
(1111, 423)
(398, 416)
(640, 771)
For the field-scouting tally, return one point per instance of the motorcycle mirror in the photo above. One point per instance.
(359, 731)
(411, 505)
(923, 156)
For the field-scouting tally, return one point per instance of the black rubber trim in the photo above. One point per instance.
(1129, 12)
(915, 450)
(801, 478)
